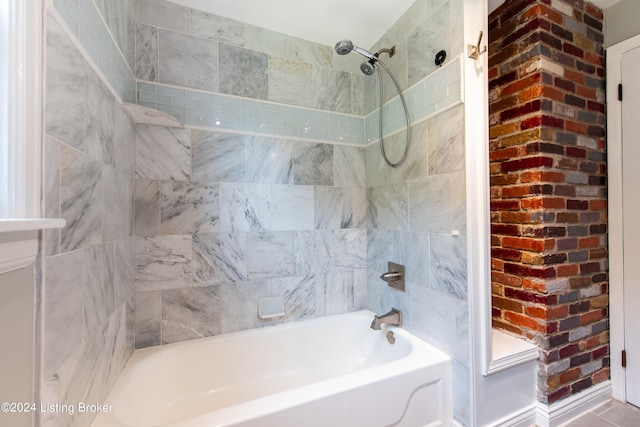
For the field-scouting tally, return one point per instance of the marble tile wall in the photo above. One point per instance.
(89, 266)
(246, 217)
(416, 213)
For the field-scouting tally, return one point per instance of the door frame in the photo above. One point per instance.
(614, 178)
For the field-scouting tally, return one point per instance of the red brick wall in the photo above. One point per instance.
(548, 189)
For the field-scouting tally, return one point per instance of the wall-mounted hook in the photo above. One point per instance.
(474, 51)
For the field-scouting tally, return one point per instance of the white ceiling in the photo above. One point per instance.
(321, 21)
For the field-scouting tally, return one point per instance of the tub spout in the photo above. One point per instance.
(394, 317)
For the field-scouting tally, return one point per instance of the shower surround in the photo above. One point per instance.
(271, 190)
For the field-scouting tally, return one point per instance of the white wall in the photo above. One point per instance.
(621, 21)
(16, 336)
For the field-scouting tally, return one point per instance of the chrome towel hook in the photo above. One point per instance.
(474, 51)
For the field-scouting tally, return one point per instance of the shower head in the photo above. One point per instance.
(368, 67)
(343, 47)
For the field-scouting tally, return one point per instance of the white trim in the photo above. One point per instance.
(28, 224)
(573, 406)
(24, 115)
(614, 179)
(508, 351)
(523, 418)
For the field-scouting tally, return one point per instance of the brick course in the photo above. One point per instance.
(548, 187)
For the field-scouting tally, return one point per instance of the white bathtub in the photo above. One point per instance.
(328, 372)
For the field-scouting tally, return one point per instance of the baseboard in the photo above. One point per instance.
(523, 418)
(572, 407)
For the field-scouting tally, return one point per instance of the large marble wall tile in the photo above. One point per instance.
(63, 305)
(190, 313)
(448, 264)
(163, 262)
(459, 200)
(114, 352)
(189, 208)
(349, 166)
(244, 207)
(188, 61)
(164, 14)
(99, 287)
(239, 307)
(271, 42)
(332, 90)
(430, 308)
(269, 160)
(218, 157)
(388, 207)
(52, 193)
(81, 380)
(163, 153)
(427, 40)
(398, 66)
(125, 270)
(313, 252)
(357, 95)
(382, 246)
(219, 258)
(340, 207)
(80, 200)
(243, 72)
(65, 87)
(99, 119)
(290, 81)
(350, 249)
(124, 142)
(219, 28)
(117, 188)
(457, 32)
(360, 289)
(292, 207)
(147, 207)
(146, 53)
(335, 295)
(313, 53)
(299, 296)
(270, 255)
(313, 164)
(446, 142)
(415, 256)
(148, 313)
(430, 204)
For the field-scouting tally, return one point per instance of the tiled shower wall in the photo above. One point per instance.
(89, 268)
(416, 213)
(223, 220)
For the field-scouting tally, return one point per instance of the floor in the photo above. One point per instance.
(611, 414)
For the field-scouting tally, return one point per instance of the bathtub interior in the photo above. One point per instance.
(181, 381)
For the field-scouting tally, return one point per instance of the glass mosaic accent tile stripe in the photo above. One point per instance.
(434, 93)
(213, 110)
(85, 22)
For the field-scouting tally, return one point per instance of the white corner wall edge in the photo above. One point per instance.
(574, 406)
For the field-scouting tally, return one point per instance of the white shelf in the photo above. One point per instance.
(150, 116)
(508, 351)
(28, 224)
